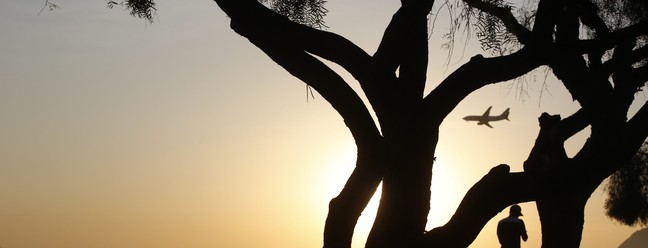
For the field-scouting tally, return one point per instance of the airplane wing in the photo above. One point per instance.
(487, 113)
(486, 123)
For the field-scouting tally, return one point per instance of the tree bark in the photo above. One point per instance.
(405, 200)
(562, 218)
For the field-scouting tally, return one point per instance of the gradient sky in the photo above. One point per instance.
(119, 133)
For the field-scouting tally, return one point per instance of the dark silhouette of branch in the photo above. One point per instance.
(545, 21)
(48, 5)
(290, 45)
(607, 41)
(618, 62)
(404, 47)
(250, 18)
(588, 14)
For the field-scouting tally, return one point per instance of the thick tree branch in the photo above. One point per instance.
(414, 61)
(588, 13)
(600, 158)
(642, 74)
(274, 34)
(404, 45)
(253, 20)
(571, 125)
(619, 62)
(636, 130)
(605, 42)
(627, 143)
(347, 207)
(329, 84)
(545, 21)
(586, 85)
(567, 26)
(504, 14)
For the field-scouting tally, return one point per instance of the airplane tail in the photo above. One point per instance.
(505, 114)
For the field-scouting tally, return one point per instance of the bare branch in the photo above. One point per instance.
(48, 5)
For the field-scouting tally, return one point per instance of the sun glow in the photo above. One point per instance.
(447, 190)
(366, 220)
(334, 174)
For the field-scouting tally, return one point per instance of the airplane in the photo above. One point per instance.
(486, 117)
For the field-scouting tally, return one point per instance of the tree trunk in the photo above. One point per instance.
(562, 219)
(405, 201)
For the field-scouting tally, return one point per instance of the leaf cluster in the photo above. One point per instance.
(143, 9)
(628, 191)
(492, 34)
(490, 31)
(307, 12)
(621, 13)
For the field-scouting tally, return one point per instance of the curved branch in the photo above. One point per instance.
(329, 84)
(617, 62)
(606, 42)
(630, 139)
(571, 125)
(277, 37)
(254, 21)
(504, 14)
(346, 208)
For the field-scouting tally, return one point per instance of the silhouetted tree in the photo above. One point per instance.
(628, 191)
(596, 48)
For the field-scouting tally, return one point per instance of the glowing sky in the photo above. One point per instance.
(119, 133)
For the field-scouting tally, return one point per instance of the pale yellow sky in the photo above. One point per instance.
(119, 133)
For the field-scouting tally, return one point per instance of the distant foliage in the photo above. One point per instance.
(628, 191)
(307, 12)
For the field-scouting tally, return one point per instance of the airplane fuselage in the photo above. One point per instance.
(482, 119)
(486, 117)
